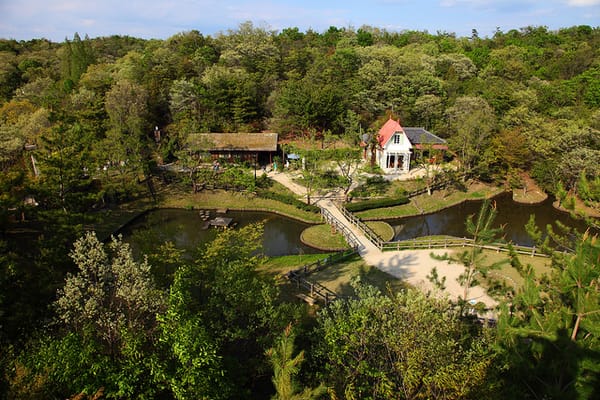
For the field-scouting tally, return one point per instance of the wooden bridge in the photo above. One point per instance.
(433, 243)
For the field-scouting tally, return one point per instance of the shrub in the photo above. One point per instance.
(374, 186)
(288, 199)
(377, 203)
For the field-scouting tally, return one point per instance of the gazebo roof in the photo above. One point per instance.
(233, 141)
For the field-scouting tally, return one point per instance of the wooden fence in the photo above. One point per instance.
(432, 243)
(437, 243)
(316, 290)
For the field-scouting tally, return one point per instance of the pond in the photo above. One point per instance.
(185, 229)
(282, 234)
(512, 215)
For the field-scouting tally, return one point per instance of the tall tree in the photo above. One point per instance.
(77, 56)
(472, 122)
(483, 232)
(406, 346)
(550, 330)
(106, 315)
(286, 366)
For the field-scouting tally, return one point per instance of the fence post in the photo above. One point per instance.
(312, 289)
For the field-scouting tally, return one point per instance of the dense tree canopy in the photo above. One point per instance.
(471, 91)
(78, 124)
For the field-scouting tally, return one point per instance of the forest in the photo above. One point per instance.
(81, 317)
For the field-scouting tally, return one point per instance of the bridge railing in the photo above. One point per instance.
(341, 227)
(364, 228)
(433, 243)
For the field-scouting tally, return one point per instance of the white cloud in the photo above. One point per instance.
(583, 3)
(469, 3)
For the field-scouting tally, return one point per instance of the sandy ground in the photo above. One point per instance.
(414, 266)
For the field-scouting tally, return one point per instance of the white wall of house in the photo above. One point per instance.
(394, 157)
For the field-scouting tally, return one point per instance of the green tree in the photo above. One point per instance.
(194, 366)
(406, 346)
(312, 168)
(482, 231)
(106, 315)
(65, 164)
(222, 315)
(286, 366)
(472, 122)
(550, 329)
(124, 149)
(76, 57)
(347, 162)
(110, 293)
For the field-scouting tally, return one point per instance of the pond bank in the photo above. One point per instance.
(427, 204)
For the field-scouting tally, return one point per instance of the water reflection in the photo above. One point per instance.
(185, 228)
(513, 216)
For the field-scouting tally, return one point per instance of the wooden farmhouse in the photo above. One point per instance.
(398, 145)
(236, 147)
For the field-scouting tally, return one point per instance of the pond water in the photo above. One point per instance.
(513, 216)
(282, 234)
(185, 229)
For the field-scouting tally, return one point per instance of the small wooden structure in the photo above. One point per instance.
(221, 222)
(310, 300)
(256, 148)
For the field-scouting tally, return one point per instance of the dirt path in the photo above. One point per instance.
(531, 193)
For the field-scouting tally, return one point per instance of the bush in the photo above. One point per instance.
(377, 203)
(374, 186)
(288, 199)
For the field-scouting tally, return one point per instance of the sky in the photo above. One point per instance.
(160, 19)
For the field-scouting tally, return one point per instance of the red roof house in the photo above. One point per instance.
(396, 144)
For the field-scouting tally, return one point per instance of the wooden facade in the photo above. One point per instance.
(257, 148)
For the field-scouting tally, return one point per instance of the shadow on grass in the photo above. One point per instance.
(337, 277)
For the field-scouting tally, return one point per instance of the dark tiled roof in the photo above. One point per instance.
(422, 136)
(233, 141)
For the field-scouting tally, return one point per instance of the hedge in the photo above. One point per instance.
(377, 203)
(288, 199)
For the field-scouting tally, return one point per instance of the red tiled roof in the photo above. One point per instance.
(388, 130)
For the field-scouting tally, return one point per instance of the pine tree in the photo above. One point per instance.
(286, 366)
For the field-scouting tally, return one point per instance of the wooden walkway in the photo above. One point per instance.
(430, 243)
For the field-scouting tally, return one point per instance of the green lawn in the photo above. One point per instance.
(235, 201)
(338, 277)
(323, 237)
(427, 204)
(541, 266)
(381, 229)
(335, 277)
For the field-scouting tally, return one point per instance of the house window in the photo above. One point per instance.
(397, 139)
